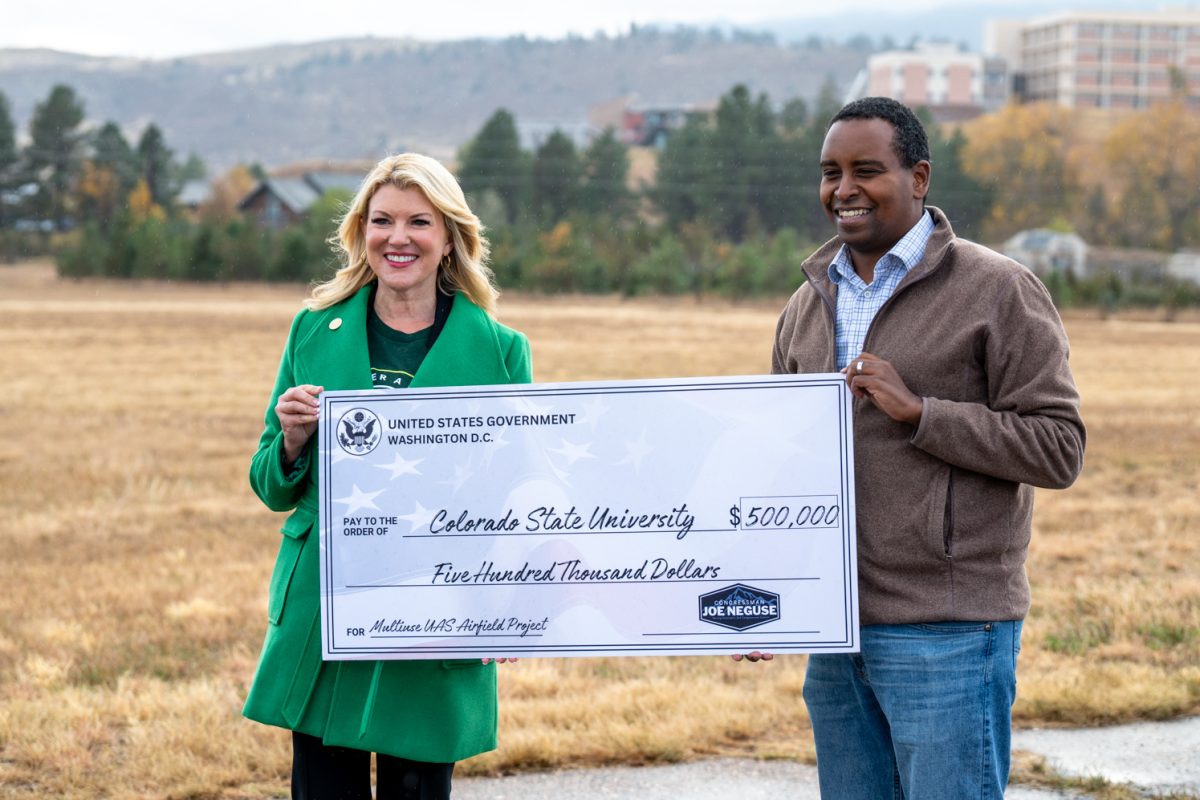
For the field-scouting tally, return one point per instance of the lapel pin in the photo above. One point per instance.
(335, 323)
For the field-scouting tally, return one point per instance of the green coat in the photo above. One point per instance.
(438, 710)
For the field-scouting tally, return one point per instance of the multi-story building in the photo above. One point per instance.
(1110, 59)
(950, 82)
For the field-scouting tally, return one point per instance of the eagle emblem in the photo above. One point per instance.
(359, 431)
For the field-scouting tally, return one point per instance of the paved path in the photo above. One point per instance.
(1162, 757)
(1157, 757)
(717, 779)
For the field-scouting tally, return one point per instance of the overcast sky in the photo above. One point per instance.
(163, 29)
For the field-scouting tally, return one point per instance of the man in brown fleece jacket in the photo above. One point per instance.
(964, 402)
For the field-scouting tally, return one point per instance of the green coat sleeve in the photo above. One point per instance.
(517, 360)
(279, 490)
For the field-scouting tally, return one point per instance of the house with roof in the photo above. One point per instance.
(277, 202)
(1184, 266)
(1045, 251)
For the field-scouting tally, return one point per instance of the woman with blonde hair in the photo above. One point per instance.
(411, 306)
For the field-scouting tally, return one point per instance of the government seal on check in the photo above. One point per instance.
(645, 517)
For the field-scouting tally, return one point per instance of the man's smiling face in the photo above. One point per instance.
(871, 198)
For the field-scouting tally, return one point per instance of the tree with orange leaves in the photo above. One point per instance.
(1027, 155)
(1154, 165)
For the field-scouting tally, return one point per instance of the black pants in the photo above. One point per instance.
(320, 772)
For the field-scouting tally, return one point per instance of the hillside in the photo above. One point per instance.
(350, 99)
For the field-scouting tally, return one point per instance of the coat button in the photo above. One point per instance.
(335, 323)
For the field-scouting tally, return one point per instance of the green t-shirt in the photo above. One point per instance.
(395, 356)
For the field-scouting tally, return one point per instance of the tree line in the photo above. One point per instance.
(730, 206)
(65, 176)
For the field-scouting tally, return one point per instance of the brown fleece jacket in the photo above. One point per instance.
(944, 509)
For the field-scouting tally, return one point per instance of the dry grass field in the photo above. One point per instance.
(135, 558)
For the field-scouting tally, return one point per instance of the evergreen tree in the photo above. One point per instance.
(556, 176)
(107, 178)
(735, 175)
(828, 103)
(736, 165)
(794, 116)
(192, 169)
(53, 152)
(605, 168)
(494, 161)
(8, 139)
(685, 176)
(111, 150)
(155, 166)
(966, 200)
(810, 218)
(8, 160)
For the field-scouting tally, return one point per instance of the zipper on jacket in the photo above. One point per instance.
(948, 516)
(831, 309)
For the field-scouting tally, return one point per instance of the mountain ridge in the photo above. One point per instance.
(361, 98)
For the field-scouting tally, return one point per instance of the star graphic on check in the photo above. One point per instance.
(401, 466)
(498, 441)
(593, 410)
(359, 500)
(419, 518)
(462, 473)
(573, 452)
(636, 451)
(561, 474)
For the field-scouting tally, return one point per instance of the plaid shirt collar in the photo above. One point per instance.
(904, 255)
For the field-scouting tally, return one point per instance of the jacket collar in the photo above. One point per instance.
(337, 342)
(466, 352)
(816, 266)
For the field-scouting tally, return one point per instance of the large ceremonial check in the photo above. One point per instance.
(646, 517)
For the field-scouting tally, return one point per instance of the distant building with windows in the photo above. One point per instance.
(1102, 59)
(953, 83)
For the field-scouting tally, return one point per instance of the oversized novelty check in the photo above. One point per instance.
(651, 517)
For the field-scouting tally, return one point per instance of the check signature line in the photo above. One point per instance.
(561, 583)
(611, 533)
(460, 636)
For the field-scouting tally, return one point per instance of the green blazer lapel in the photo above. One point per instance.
(467, 353)
(334, 353)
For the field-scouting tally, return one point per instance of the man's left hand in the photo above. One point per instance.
(871, 376)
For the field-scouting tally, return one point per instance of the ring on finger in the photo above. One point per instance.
(858, 367)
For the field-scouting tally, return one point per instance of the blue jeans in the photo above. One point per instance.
(923, 712)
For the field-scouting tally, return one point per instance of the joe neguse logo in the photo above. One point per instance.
(739, 607)
(359, 431)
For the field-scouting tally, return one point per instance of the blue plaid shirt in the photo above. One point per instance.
(857, 303)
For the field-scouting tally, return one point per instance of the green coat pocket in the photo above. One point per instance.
(295, 530)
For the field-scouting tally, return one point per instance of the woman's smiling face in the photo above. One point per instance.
(406, 239)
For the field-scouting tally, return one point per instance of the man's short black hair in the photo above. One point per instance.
(910, 143)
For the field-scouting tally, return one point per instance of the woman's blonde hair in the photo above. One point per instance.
(464, 270)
